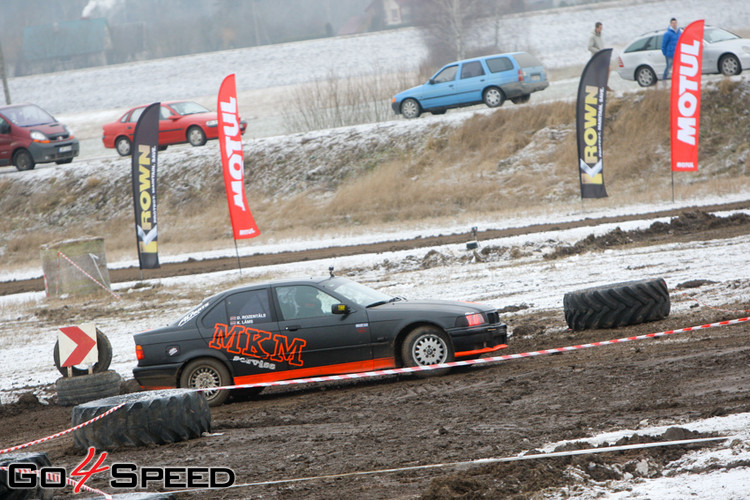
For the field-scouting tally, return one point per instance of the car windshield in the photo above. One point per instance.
(28, 115)
(713, 35)
(359, 294)
(188, 108)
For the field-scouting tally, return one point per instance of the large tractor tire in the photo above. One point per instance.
(152, 417)
(620, 304)
(40, 459)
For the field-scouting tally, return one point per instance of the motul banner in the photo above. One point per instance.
(230, 143)
(685, 103)
(592, 96)
(144, 162)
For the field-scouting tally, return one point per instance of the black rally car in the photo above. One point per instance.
(290, 329)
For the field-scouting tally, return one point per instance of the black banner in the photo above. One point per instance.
(592, 96)
(144, 162)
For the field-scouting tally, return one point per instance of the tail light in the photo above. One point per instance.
(520, 75)
(139, 353)
(619, 60)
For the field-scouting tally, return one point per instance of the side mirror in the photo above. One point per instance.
(340, 309)
(431, 81)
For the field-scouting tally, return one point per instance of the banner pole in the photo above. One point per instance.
(237, 251)
(672, 185)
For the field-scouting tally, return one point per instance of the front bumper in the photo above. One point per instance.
(476, 341)
(48, 152)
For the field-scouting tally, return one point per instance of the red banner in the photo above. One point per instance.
(230, 143)
(685, 105)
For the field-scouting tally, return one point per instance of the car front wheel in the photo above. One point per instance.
(410, 109)
(730, 65)
(493, 97)
(196, 136)
(23, 160)
(645, 76)
(425, 346)
(122, 145)
(207, 373)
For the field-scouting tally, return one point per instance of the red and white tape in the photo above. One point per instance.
(67, 431)
(55, 478)
(479, 361)
(60, 254)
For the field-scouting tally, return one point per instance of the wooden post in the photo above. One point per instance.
(3, 76)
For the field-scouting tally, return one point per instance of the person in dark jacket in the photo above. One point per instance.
(669, 44)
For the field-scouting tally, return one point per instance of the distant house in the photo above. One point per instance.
(64, 45)
(396, 12)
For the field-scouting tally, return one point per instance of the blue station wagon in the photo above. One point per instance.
(490, 80)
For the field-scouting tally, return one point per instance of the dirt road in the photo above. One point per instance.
(493, 411)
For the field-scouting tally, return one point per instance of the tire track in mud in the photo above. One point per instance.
(191, 267)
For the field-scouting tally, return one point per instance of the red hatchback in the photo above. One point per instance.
(179, 122)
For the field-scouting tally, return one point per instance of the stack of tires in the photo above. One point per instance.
(84, 386)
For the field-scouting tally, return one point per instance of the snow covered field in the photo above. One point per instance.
(559, 39)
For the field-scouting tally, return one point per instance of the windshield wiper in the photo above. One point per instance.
(381, 302)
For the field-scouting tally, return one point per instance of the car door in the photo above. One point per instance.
(170, 128)
(242, 329)
(6, 141)
(470, 83)
(328, 343)
(440, 91)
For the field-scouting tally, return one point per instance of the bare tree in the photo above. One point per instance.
(447, 25)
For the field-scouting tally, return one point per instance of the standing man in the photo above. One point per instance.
(596, 43)
(669, 44)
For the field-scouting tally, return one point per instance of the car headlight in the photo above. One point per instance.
(37, 136)
(212, 123)
(470, 319)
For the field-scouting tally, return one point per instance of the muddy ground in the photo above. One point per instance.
(472, 413)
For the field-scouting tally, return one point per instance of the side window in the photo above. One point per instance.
(446, 75)
(471, 69)
(249, 308)
(164, 113)
(303, 301)
(218, 314)
(135, 115)
(4, 124)
(498, 64)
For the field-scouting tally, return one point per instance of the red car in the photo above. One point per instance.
(179, 122)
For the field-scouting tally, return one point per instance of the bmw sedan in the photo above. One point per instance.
(289, 329)
(723, 52)
(179, 122)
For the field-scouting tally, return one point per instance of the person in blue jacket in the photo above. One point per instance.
(669, 44)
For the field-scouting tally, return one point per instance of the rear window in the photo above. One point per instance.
(472, 69)
(647, 43)
(526, 60)
(498, 64)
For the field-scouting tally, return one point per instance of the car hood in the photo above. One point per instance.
(447, 307)
(54, 128)
(409, 92)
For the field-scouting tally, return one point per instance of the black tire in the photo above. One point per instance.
(148, 418)
(40, 459)
(522, 99)
(64, 162)
(23, 160)
(196, 136)
(105, 357)
(493, 97)
(729, 65)
(410, 108)
(645, 76)
(620, 304)
(73, 391)
(205, 373)
(123, 146)
(427, 345)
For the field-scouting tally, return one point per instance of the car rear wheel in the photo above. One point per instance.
(729, 65)
(645, 76)
(410, 109)
(493, 97)
(196, 136)
(23, 160)
(205, 373)
(425, 346)
(122, 145)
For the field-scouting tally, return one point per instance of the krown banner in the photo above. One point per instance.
(233, 166)
(592, 96)
(685, 99)
(144, 163)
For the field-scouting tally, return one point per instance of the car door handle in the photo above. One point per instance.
(292, 328)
